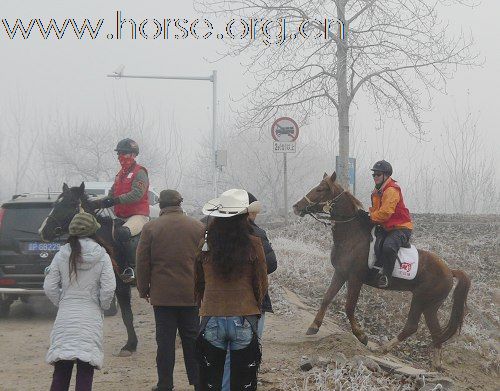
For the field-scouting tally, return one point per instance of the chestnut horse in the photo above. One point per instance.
(349, 257)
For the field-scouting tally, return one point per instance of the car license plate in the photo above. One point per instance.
(40, 246)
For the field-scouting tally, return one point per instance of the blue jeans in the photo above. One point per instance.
(227, 365)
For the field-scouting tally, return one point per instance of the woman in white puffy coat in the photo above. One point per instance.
(81, 282)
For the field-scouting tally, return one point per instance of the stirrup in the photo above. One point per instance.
(128, 275)
(382, 281)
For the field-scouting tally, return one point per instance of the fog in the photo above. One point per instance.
(61, 117)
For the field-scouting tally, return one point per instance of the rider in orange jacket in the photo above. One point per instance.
(389, 212)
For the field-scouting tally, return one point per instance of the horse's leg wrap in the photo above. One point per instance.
(211, 360)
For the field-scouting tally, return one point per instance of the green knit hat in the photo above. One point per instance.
(83, 224)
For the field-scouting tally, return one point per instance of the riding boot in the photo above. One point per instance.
(124, 238)
(211, 360)
(389, 261)
(245, 365)
(130, 248)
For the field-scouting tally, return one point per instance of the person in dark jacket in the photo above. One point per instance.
(271, 262)
(272, 265)
(165, 278)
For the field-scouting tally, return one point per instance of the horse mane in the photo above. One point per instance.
(349, 195)
(354, 200)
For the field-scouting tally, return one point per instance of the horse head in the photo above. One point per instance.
(327, 197)
(66, 206)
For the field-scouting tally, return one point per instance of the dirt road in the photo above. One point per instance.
(24, 339)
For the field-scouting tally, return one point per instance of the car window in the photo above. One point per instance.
(23, 221)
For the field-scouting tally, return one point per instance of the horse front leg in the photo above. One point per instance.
(335, 285)
(353, 288)
(124, 297)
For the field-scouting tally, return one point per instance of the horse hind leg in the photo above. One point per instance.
(335, 285)
(432, 321)
(353, 289)
(410, 328)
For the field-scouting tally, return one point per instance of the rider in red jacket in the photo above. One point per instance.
(389, 212)
(129, 197)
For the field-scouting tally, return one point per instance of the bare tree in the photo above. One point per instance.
(381, 46)
(469, 167)
(80, 150)
(165, 144)
(23, 140)
(85, 150)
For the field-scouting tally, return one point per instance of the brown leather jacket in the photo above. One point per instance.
(241, 294)
(165, 258)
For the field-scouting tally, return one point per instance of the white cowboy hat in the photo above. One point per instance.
(231, 203)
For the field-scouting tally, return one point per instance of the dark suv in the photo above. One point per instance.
(23, 255)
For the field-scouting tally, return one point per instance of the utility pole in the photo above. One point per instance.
(212, 78)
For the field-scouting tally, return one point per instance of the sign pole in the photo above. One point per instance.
(284, 132)
(285, 185)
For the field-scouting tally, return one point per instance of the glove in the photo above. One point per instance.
(107, 202)
(102, 203)
(364, 216)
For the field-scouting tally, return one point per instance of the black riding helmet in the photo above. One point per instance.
(383, 166)
(127, 145)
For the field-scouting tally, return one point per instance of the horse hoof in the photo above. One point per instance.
(124, 353)
(312, 331)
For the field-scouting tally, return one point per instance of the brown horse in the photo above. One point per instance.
(349, 257)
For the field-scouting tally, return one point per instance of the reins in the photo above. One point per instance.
(327, 209)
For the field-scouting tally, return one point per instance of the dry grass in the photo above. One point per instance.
(470, 243)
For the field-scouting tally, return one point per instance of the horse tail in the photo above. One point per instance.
(459, 307)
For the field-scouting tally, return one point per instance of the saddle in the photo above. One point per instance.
(406, 266)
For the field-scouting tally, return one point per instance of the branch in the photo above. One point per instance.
(361, 11)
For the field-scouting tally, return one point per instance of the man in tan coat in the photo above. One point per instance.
(165, 277)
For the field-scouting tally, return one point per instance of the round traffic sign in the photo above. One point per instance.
(285, 129)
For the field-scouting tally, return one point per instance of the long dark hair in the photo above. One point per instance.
(230, 244)
(76, 251)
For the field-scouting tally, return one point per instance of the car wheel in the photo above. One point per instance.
(4, 308)
(113, 309)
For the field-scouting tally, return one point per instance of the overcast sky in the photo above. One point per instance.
(69, 75)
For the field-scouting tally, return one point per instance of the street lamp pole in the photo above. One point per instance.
(215, 172)
(212, 78)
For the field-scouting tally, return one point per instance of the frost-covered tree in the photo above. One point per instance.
(394, 51)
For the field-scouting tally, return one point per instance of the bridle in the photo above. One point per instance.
(58, 230)
(327, 209)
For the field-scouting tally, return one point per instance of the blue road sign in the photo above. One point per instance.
(352, 173)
